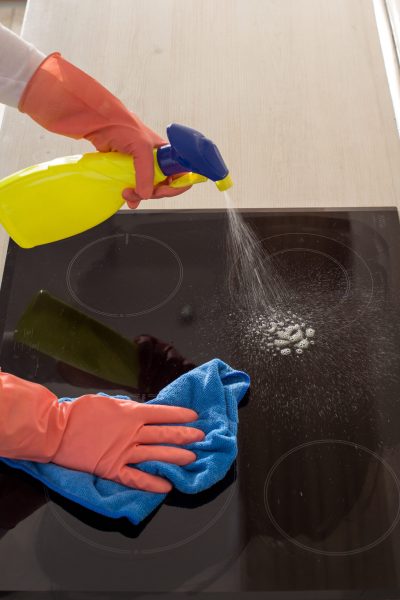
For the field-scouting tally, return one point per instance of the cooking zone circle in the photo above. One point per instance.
(325, 280)
(168, 529)
(333, 497)
(124, 275)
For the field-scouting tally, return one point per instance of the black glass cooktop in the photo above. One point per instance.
(311, 508)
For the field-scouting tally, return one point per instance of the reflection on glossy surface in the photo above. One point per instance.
(90, 354)
(54, 328)
(329, 523)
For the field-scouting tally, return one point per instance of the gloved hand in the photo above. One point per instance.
(95, 434)
(65, 100)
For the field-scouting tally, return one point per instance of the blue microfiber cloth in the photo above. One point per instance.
(214, 391)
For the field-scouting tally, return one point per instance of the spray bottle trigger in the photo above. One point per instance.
(188, 179)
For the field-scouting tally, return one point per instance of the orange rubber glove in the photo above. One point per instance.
(95, 434)
(65, 100)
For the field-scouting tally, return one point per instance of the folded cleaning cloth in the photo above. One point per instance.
(214, 391)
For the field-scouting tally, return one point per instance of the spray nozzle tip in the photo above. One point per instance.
(224, 184)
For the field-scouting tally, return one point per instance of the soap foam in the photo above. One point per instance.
(284, 334)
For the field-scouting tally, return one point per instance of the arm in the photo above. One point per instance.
(29, 425)
(18, 62)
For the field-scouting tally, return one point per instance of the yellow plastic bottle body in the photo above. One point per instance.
(63, 197)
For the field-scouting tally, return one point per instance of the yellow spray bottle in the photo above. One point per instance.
(63, 197)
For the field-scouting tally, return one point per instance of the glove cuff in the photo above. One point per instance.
(65, 100)
(31, 423)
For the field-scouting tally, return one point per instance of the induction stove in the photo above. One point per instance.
(311, 507)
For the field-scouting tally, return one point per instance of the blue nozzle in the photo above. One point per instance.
(190, 150)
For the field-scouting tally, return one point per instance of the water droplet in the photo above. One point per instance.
(303, 344)
(283, 335)
(296, 336)
(281, 343)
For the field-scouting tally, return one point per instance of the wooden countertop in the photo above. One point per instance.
(294, 92)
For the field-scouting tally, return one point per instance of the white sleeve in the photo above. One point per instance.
(18, 61)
